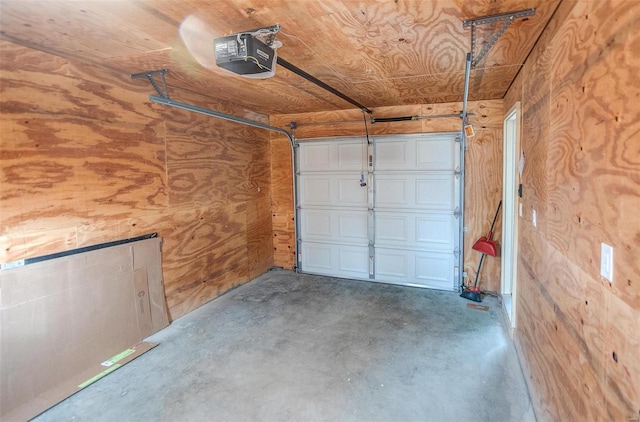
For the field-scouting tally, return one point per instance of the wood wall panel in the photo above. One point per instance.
(85, 158)
(483, 188)
(576, 332)
(259, 236)
(284, 254)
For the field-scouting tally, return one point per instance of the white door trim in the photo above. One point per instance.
(510, 201)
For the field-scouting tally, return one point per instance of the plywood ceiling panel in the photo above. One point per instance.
(378, 52)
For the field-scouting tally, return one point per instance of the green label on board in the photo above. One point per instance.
(100, 375)
(121, 356)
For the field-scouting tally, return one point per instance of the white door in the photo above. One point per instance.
(401, 228)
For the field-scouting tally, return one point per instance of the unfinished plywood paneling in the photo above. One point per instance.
(483, 165)
(86, 159)
(379, 53)
(576, 330)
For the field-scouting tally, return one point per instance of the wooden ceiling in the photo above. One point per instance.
(378, 52)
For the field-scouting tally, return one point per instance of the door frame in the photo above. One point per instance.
(511, 204)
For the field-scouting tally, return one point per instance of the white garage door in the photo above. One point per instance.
(402, 227)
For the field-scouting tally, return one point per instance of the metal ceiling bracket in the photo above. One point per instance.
(266, 34)
(164, 93)
(506, 18)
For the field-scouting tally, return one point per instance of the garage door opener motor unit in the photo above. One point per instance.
(246, 55)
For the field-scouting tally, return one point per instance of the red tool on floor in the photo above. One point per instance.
(487, 246)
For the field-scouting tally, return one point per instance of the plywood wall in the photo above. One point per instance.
(86, 158)
(483, 188)
(578, 334)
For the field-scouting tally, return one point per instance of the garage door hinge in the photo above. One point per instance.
(456, 252)
(458, 139)
(457, 212)
(457, 173)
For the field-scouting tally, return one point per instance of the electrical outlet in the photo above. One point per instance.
(534, 218)
(606, 261)
(520, 209)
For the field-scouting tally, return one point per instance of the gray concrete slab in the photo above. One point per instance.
(290, 347)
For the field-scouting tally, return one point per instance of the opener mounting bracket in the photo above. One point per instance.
(164, 92)
(506, 18)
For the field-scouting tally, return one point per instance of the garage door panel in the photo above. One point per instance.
(426, 153)
(415, 230)
(315, 190)
(335, 260)
(353, 226)
(316, 225)
(338, 226)
(435, 192)
(350, 192)
(332, 190)
(393, 192)
(411, 267)
(333, 155)
(392, 264)
(435, 230)
(354, 260)
(434, 269)
(351, 156)
(435, 154)
(392, 155)
(316, 157)
(392, 228)
(415, 191)
(317, 257)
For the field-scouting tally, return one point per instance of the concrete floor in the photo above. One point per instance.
(290, 347)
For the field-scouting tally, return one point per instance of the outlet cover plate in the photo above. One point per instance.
(606, 261)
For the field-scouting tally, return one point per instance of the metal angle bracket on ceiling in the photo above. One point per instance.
(506, 18)
(150, 77)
